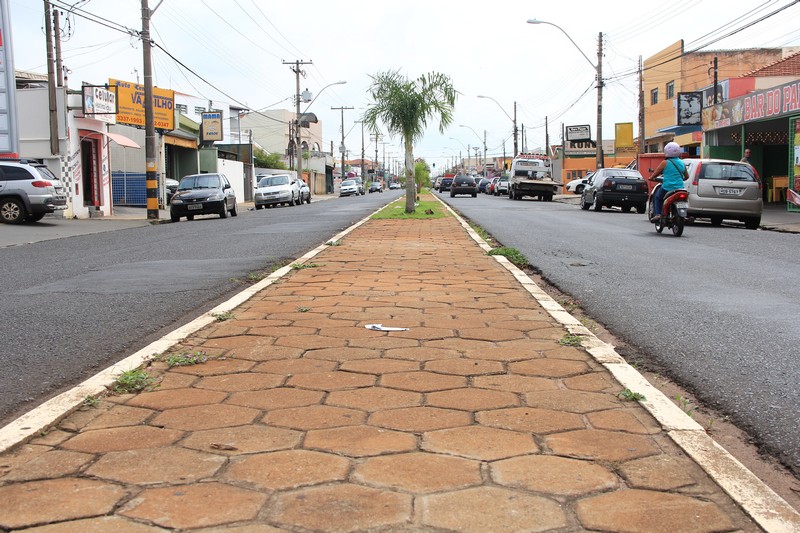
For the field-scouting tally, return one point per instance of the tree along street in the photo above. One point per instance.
(73, 306)
(716, 309)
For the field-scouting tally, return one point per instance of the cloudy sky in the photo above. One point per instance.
(237, 48)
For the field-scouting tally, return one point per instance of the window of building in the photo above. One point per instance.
(199, 110)
(654, 97)
(182, 108)
(671, 90)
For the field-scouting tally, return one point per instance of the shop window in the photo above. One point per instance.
(199, 110)
(654, 97)
(182, 108)
(670, 90)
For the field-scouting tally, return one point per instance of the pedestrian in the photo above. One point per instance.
(746, 158)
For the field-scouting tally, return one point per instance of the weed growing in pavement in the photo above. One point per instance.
(255, 277)
(186, 359)
(570, 340)
(628, 395)
(300, 266)
(91, 401)
(567, 303)
(334, 243)
(132, 381)
(588, 323)
(221, 317)
(303, 309)
(512, 254)
(685, 405)
(709, 425)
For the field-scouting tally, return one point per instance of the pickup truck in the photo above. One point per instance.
(530, 176)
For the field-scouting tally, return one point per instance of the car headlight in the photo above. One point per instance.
(176, 201)
(217, 196)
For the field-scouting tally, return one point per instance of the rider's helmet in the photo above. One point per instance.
(672, 149)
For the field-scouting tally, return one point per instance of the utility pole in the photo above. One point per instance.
(57, 36)
(376, 137)
(600, 163)
(150, 150)
(363, 167)
(51, 81)
(298, 152)
(341, 148)
(546, 138)
(516, 148)
(484, 153)
(641, 109)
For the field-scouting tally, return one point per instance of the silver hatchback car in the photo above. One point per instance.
(720, 189)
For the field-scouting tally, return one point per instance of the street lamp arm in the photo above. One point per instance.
(534, 21)
(473, 131)
(342, 82)
(498, 105)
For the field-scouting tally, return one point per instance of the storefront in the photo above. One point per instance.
(766, 122)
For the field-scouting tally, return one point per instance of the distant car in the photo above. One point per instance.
(305, 192)
(203, 194)
(620, 187)
(348, 188)
(444, 185)
(501, 187)
(437, 183)
(483, 183)
(720, 189)
(375, 186)
(463, 184)
(394, 185)
(359, 184)
(171, 186)
(276, 189)
(492, 185)
(28, 191)
(577, 186)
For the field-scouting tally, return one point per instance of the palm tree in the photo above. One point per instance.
(405, 106)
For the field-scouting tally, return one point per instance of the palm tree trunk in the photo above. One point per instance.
(411, 182)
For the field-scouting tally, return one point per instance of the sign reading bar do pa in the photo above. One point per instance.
(579, 133)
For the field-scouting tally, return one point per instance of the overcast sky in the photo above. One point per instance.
(238, 47)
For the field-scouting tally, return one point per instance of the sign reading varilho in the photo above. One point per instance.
(130, 99)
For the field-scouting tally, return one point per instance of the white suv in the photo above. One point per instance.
(28, 191)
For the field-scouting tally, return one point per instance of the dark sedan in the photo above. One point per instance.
(464, 185)
(203, 194)
(620, 187)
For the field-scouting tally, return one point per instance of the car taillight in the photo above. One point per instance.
(607, 185)
(758, 178)
(697, 173)
(41, 184)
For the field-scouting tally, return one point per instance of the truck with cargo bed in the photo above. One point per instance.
(530, 176)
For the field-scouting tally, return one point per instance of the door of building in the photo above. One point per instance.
(92, 190)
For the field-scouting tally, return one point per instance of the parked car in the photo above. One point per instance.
(28, 191)
(203, 194)
(436, 184)
(276, 189)
(305, 192)
(501, 187)
(359, 184)
(463, 184)
(483, 183)
(394, 185)
(348, 188)
(492, 185)
(720, 189)
(445, 184)
(577, 186)
(375, 186)
(171, 186)
(620, 187)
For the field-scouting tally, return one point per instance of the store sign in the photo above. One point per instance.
(130, 99)
(690, 106)
(100, 103)
(212, 125)
(580, 147)
(579, 133)
(776, 102)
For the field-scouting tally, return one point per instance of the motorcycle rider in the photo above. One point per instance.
(673, 172)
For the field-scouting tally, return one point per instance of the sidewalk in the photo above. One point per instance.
(479, 417)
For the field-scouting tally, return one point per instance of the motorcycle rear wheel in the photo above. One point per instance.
(677, 222)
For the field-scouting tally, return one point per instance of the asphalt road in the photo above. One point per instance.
(100, 290)
(716, 309)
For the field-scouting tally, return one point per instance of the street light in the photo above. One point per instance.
(514, 120)
(299, 155)
(600, 163)
(484, 145)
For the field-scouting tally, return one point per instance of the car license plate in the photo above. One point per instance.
(729, 192)
(682, 205)
(194, 207)
(624, 187)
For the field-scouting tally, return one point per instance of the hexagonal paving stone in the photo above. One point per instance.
(342, 508)
(48, 465)
(380, 366)
(100, 524)
(360, 441)
(603, 445)
(345, 353)
(549, 368)
(419, 472)
(156, 465)
(171, 399)
(490, 334)
(465, 367)
(572, 401)
(553, 475)
(593, 382)
(55, 500)
(422, 381)
(314, 417)
(242, 440)
(279, 398)
(295, 366)
(206, 417)
(660, 472)
(635, 420)
(478, 442)
(514, 383)
(214, 367)
(530, 419)
(481, 509)
(471, 399)
(288, 469)
(374, 398)
(422, 353)
(640, 510)
(330, 381)
(241, 382)
(124, 438)
(194, 506)
(420, 419)
(311, 342)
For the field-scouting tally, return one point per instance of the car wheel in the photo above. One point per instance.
(474, 195)
(597, 206)
(190, 217)
(752, 222)
(174, 218)
(234, 212)
(258, 206)
(308, 199)
(584, 204)
(35, 218)
(579, 189)
(12, 211)
(716, 221)
(626, 208)
(641, 208)
(223, 212)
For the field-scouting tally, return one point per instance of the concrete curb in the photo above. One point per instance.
(760, 502)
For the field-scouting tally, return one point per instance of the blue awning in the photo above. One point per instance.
(681, 130)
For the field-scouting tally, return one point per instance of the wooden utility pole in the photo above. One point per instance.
(641, 109)
(51, 80)
(150, 149)
(342, 148)
(298, 151)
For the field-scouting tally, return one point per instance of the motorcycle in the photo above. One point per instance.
(673, 211)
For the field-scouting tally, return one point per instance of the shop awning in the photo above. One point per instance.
(681, 130)
(116, 137)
